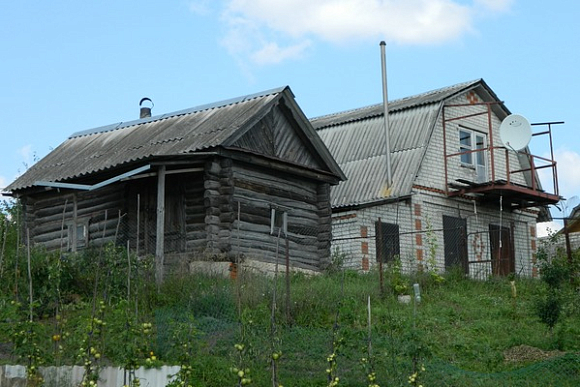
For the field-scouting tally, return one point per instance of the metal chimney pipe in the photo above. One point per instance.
(145, 111)
(386, 114)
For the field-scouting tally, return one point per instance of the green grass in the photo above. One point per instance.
(459, 331)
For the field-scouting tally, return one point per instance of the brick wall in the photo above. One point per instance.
(420, 218)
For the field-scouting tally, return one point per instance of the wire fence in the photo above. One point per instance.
(253, 234)
(226, 301)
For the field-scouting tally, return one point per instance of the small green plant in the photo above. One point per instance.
(555, 274)
(331, 360)
(337, 260)
(397, 280)
(26, 340)
(241, 373)
(415, 378)
(183, 349)
(431, 262)
(243, 351)
(91, 351)
(432, 244)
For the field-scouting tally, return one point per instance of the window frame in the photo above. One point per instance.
(74, 243)
(278, 219)
(472, 159)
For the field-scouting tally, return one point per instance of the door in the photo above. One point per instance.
(455, 242)
(502, 250)
(175, 237)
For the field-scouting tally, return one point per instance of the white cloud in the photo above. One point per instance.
(26, 152)
(270, 31)
(271, 53)
(568, 172)
(28, 156)
(336, 21)
(494, 5)
(547, 228)
(200, 7)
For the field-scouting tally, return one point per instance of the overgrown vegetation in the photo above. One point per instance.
(101, 308)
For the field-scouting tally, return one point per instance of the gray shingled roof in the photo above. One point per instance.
(179, 133)
(356, 140)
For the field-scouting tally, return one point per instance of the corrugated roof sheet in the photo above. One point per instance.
(181, 132)
(356, 139)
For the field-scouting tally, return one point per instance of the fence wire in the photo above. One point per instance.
(226, 300)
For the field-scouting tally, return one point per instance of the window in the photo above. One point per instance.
(465, 145)
(78, 235)
(387, 241)
(455, 242)
(470, 140)
(278, 220)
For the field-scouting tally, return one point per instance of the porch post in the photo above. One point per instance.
(160, 231)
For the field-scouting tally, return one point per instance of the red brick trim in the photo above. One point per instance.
(344, 217)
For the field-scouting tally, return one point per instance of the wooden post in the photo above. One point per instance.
(379, 248)
(288, 298)
(30, 298)
(160, 231)
(138, 225)
(567, 239)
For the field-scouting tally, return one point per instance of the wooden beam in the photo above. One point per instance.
(160, 231)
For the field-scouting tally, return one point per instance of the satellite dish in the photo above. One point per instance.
(515, 132)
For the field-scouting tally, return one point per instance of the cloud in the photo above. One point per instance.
(494, 5)
(3, 183)
(271, 53)
(26, 152)
(269, 31)
(568, 172)
(547, 228)
(200, 7)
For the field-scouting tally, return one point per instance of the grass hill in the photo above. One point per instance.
(346, 328)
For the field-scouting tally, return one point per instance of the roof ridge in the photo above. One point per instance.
(398, 101)
(195, 109)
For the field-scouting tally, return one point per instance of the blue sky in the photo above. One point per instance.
(68, 66)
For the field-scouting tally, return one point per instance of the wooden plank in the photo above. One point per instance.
(160, 227)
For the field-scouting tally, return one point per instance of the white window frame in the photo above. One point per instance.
(78, 235)
(278, 220)
(475, 158)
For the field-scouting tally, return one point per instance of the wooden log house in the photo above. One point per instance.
(221, 181)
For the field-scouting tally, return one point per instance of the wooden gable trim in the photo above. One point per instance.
(279, 165)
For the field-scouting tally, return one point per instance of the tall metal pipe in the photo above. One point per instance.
(386, 114)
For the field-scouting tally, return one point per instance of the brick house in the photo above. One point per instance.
(457, 196)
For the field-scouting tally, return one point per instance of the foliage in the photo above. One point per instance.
(183, 335)
(557, 274)
(395, 278)
(337, 260)
(101, 307)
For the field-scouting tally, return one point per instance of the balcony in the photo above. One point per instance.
(514, 186)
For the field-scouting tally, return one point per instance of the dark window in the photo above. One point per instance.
(278, 221)
(387, 241)
(465, 146)
(455, 242)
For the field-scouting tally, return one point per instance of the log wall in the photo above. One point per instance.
(308, 219)
(48, 216)
(201, 215)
